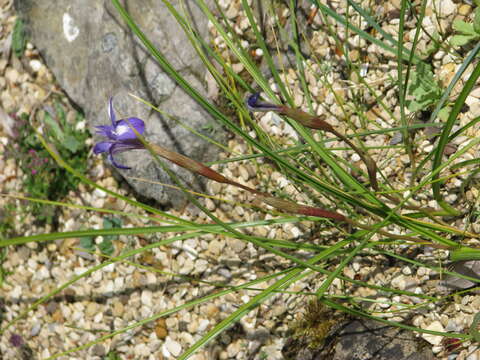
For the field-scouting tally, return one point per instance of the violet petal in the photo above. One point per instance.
(254, 105)
(114, 163)
(119, 147)
(123, 131)
(105, 130)
(126, 145)
(102, 147)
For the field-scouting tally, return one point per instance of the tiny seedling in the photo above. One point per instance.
(106, 246)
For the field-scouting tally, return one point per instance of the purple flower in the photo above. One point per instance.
(120, 136)
(254, 105)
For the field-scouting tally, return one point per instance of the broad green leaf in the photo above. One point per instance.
(87, 243)
(53, 125)
(423, 88)
(112, 355)
(460, 40)
(444, 113)
(463, 27)
(71, 143)
(106, 247)
(476, 21)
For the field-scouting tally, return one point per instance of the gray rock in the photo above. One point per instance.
(361, 339)
(373, 340)
(94, 55)
(454, 283)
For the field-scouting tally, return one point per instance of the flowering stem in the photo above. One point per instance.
(318, 122)
(197, 167)
(280, 204)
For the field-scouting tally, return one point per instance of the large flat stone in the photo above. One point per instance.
(94, 55)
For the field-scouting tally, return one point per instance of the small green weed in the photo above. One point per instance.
(106, 246)
(263, 355)
(211, 128)
(423, 87)
(43, 178)
(3, 272)
(466, 32)
(112, 355)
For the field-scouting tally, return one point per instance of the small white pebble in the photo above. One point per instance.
(99, 193)
(109, 268)
(384, 302)
(35, 65)
(202, 326)
(80, 126)
(42, 273)
(173, 347)
(428, 148)
(98, 318)
(434, 339)
(146, 298)
(79, 270)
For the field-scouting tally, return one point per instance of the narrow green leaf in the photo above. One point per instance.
(340, 19)
(18, 38)
(358, 313)
(465, 254)
(244, 309)
(457, 106)
(441, 103)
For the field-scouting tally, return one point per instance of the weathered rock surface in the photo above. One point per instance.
(362, 339)
(94, 55)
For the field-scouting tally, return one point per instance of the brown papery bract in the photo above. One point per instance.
(280, 204)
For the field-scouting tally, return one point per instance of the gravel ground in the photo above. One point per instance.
(121, 294)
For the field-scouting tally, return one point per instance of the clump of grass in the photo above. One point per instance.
(314, 325)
